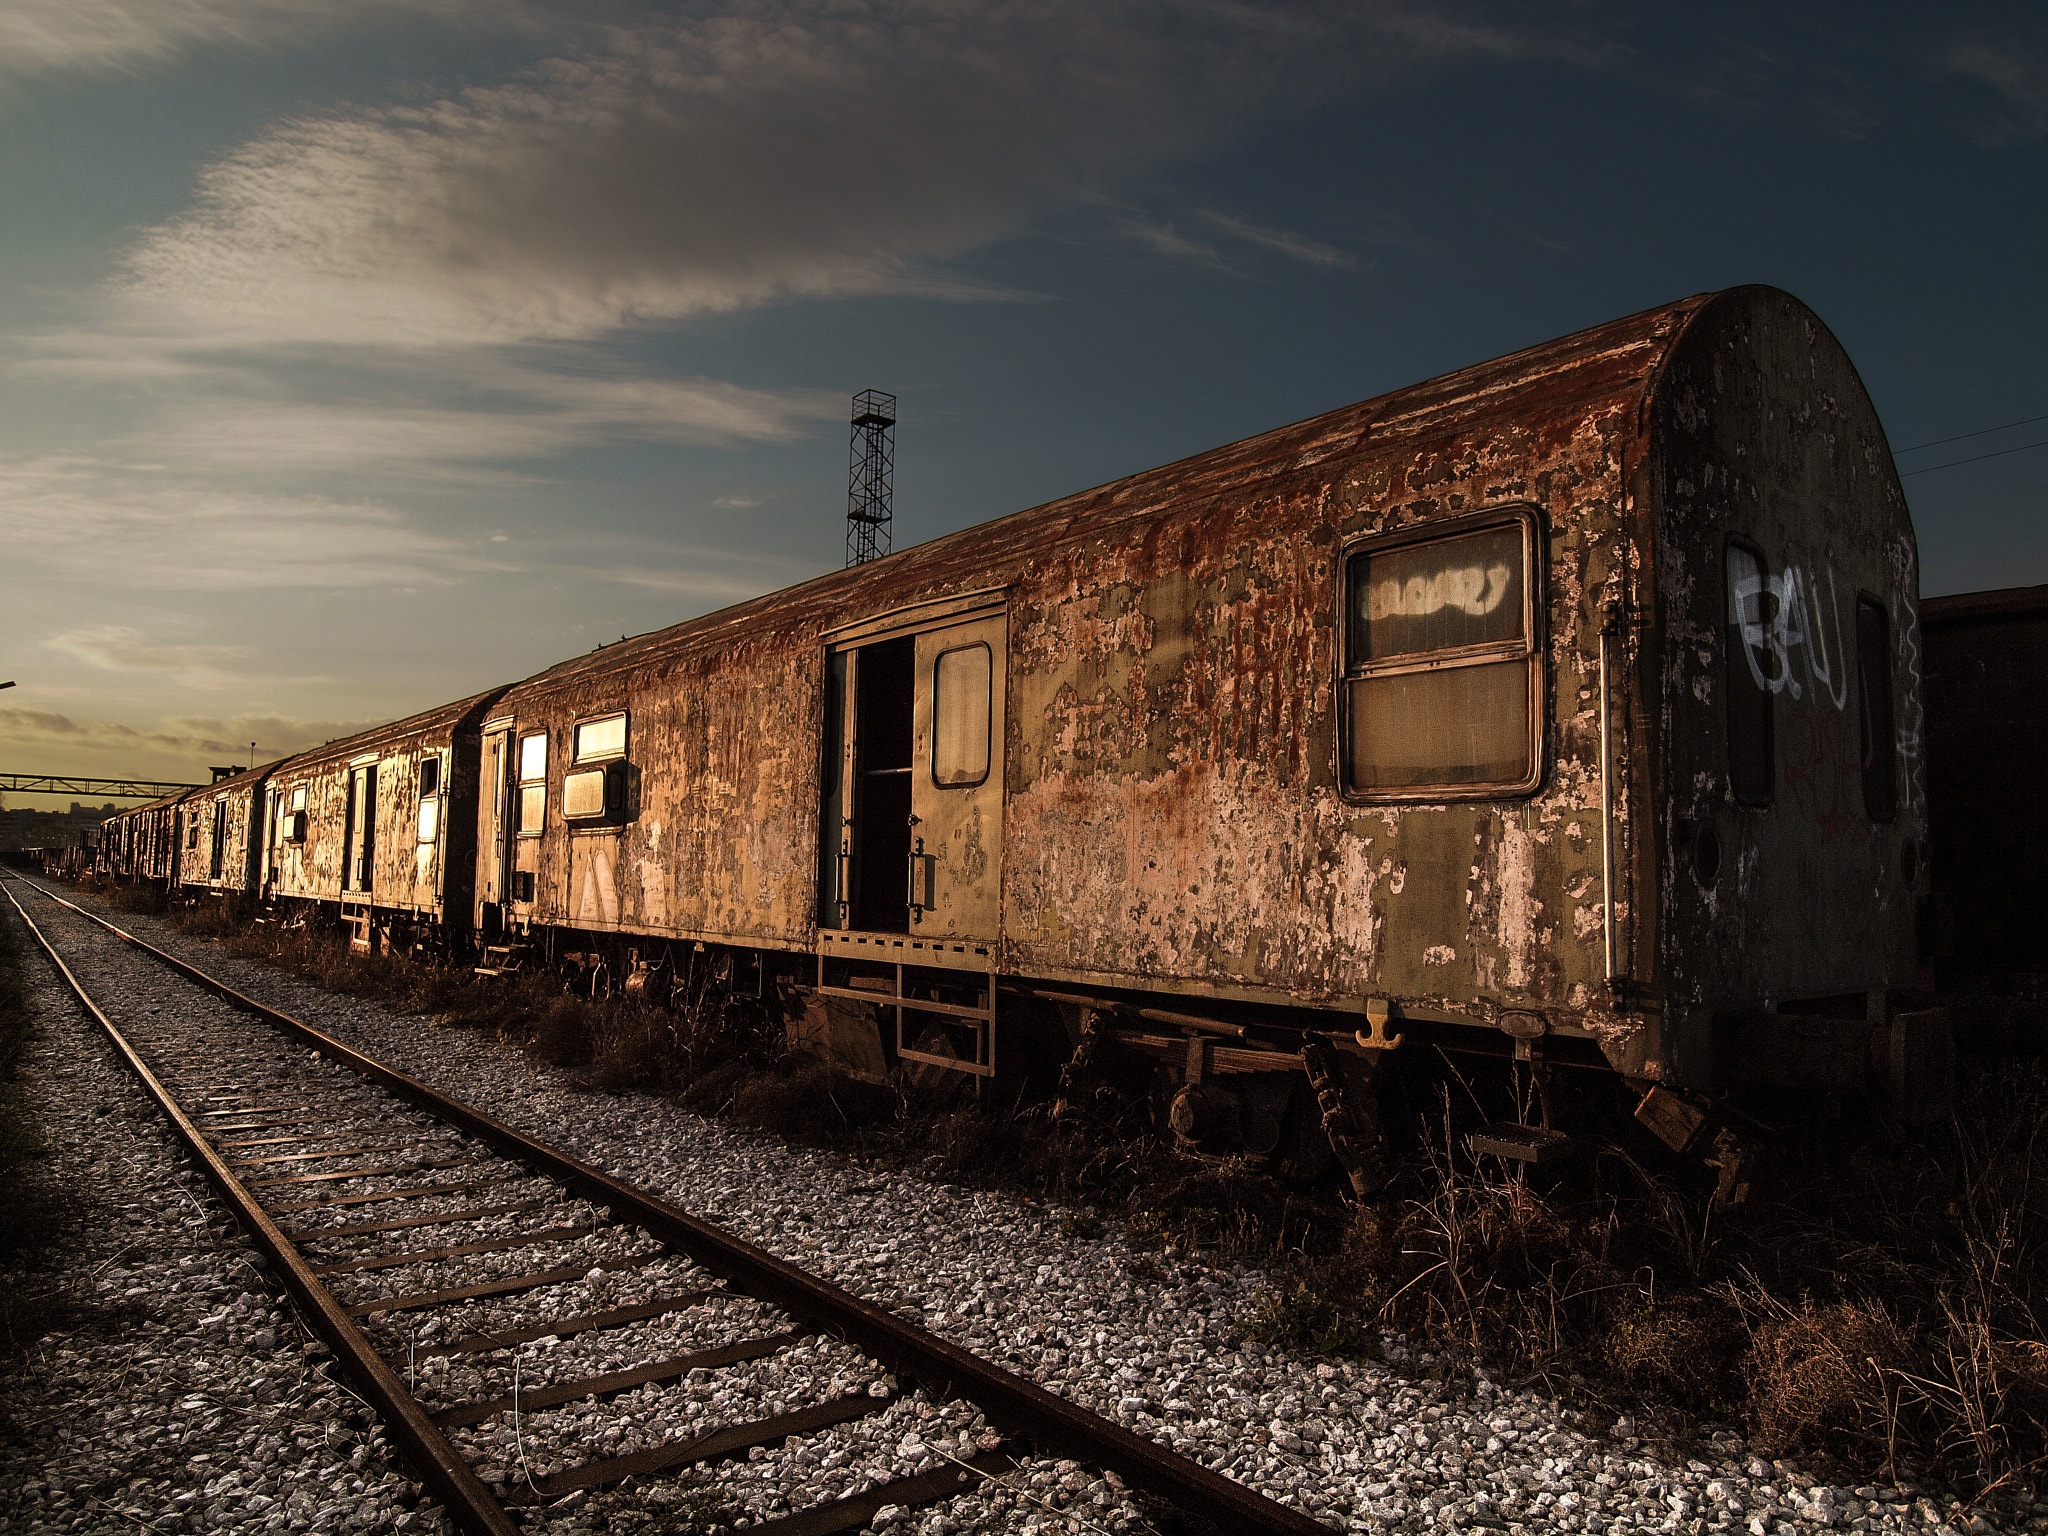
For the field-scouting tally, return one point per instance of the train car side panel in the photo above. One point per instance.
(1793, 791)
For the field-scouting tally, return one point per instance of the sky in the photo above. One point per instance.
(362, 356)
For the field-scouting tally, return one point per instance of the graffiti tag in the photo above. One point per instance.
(1472, 589)
(1783, 637)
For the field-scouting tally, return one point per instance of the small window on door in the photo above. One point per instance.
(430, 804)
(960, 717)
(1754, 675)
(533, 784)
(291, 818)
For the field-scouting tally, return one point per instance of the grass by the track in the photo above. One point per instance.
(1884, 1313)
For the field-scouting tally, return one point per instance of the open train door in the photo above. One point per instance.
(910, 856)
(494, 861)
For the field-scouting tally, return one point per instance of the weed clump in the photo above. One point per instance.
(1299, 1318)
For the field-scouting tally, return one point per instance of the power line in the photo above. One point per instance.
(1981, 432)
(1952, 463)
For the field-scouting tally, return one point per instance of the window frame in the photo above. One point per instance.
(988, 751)
(521, 783)
(578, 757)
(1530, 649)
(1729, 661)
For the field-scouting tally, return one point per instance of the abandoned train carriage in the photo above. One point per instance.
(1567, 703)
(378, 826)
(221, 834)
(132, 844)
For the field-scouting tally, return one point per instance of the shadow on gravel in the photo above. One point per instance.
(40, 1291)
(1883, 1312)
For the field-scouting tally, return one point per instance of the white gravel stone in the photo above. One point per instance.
(1150, 1340)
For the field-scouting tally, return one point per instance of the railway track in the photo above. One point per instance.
(532, 1330)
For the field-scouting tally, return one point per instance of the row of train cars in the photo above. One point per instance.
(1575, 710)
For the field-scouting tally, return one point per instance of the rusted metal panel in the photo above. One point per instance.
(1763, 433)
(222, 847)
(1987, 739)
(423, 852)
(1173, 817)
(718, 835)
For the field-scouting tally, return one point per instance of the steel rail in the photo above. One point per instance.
(438, 1463)
(1018, 1406)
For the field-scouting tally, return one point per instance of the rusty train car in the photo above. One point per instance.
(378, 827)
(1565, 708)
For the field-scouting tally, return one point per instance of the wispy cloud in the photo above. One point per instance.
(133, 36)
(195, 736)
(533, 414)
(763, 152)
(1163, 238)
(67, 515)
(2015, 69)
(1314, 253)
(119, 648)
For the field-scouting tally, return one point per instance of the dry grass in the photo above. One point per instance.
(1885, 1311)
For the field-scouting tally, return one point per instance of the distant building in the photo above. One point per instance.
(74, 828)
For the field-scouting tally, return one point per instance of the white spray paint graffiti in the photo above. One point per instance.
(1782, 637)
(1469, 588)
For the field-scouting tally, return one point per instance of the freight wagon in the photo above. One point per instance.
(1565, 709)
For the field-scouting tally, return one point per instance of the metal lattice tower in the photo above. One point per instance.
(870, 470)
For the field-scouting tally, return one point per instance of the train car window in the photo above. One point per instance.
(292, 819)
(1755, 674)
(960, 717)
(430, 820)
(1440, 664)
(430, 776)
(1880, 740)
(597, 739)
(533, 784)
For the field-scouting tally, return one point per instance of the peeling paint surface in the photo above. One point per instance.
(408, 874)
(1763, 433)
(1173, 701)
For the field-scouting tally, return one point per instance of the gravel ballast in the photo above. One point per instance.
(1148, 1339)
(177, 1389)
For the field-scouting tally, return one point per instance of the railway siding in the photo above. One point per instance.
(1148, 1339)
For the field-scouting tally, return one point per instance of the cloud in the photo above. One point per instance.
(763, 152)
(1312, 252)
(2016, 71)
(536, 414)
(120, 528)
(203, 736)
(133, 36)
(1164, 239)
(118, 648)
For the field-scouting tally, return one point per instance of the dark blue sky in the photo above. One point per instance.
(350, 363)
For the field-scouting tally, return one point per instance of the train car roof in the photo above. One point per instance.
(1999, 603)
(1617, 359)
(244, 779)
(444, 717)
